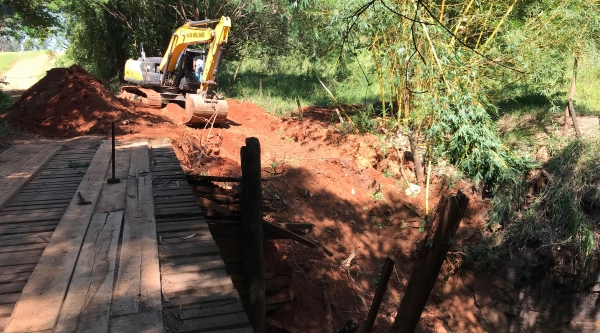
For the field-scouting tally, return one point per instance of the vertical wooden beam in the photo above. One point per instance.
(252, 239)
(574, 117)
(388, 267)
(299, 109)
(571, 96)
(431, 257)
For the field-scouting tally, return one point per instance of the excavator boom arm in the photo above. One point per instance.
(197, 32)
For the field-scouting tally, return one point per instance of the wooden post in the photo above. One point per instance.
(299, 109)
(571, 96)
(431, 257)
(574, 117)
(388, 267)
(260, 87)
(252, 231)
(416, 158)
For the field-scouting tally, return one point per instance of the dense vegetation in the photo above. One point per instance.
(448, 70)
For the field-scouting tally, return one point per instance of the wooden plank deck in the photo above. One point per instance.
(125, 262)
(198, 295)
(19, 164)
(24, 236)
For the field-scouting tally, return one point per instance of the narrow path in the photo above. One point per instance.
(24, 74)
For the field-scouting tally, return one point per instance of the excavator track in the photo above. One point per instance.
(198, 110)
(143, 95)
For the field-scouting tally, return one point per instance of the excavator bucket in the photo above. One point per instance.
(201, 110)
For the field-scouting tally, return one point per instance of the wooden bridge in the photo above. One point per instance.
(78, 254)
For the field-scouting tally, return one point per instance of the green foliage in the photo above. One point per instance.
(587, 96)
(561, 213)
(464, 132)
(5, 101)
(364, 120)
(31, 17)
(285, 78)
(558, 213)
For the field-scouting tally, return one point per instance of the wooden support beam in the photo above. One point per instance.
(252, 231)
(388, 267)
(431, 257)
(573, 114)
(275, 231)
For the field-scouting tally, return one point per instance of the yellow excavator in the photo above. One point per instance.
(183, 74)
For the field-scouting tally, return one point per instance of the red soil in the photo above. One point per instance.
(320, 175)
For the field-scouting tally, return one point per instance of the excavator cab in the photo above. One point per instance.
(190, 78)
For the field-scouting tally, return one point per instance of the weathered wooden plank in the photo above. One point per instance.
(195, 219)
(223, 322)
(170, 251)
(113, 196)
(36, 205)
(176, 238)
(127, 286)
(8, 288)
(188, 199)
(25, 238)
(137, 322)
(185, 236)
(218, 308)
(13, 158)
(3, 322)
(6, 310)
(31, 215)
(193, 264)
(15, 277)
(87, 305)
(235, 330)
(28, 230)
(23, 247)
(10, 185)
(41, 300)
(9, 298)
(19, 258)
(16, 269)
(25, 198)
(181, 226)
(192, 282)
(150, 287)
(19, 261)
(201, 297)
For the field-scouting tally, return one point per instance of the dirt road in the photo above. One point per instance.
(24, 74)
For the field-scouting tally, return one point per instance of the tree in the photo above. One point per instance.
(36, 18)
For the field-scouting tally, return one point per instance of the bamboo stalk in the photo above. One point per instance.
(484, 25)
(508, 11)
(427, 187)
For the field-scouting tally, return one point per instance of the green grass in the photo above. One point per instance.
(8, 59)
(587, 92)
(285, 79)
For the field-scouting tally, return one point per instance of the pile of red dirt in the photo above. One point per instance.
(69, 102)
